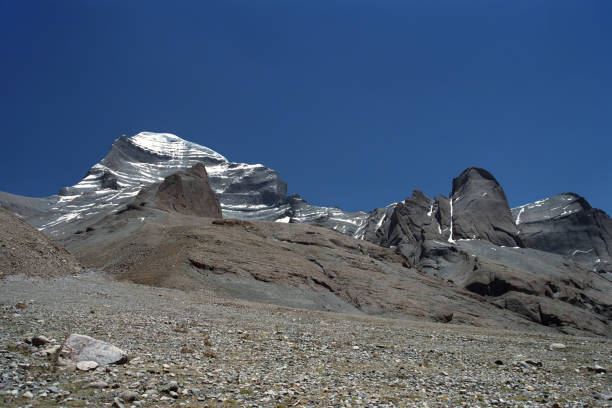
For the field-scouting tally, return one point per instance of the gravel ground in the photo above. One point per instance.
(195, 350)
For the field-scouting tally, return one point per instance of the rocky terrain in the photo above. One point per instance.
(457, 301)
(194, 349)
(26, 251)
(143, 212)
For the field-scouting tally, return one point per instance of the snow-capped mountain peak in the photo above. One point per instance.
(165, 144)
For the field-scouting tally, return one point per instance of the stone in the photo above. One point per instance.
(534, 363)
(87, 365)
(40, 341)
(129, 396)
(170, 387)
(21, 306)
(78, 347)
(117, 403)
(98, 384)
(28, 394)
(52, 350)
(556, 346)
(596, 369)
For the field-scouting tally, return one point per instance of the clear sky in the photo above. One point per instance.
(354, 103)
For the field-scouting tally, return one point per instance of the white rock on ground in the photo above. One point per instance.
(79, 348)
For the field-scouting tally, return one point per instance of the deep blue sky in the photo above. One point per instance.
(354, 103)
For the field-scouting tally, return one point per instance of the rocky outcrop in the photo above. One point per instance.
(185, 192)
(566, 224)
(473, 241)
(26, 251)
(480, 209)
(409, 224)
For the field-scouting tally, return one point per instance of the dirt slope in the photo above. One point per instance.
(25, 250)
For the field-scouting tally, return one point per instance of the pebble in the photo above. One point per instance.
(38, 341)
(87, 365)
(129, 396)
(98, 384)
(556, 346)
(172, 386)
(117, 403)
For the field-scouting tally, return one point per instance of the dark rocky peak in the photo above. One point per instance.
(408, 224)
(418, 198)
(186, 192)
(471, 175)
(480, 209)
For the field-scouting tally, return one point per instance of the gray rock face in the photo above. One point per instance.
(186, 192)
(566, 224)
(480, 209)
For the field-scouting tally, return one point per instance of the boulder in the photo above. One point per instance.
(79, 348)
